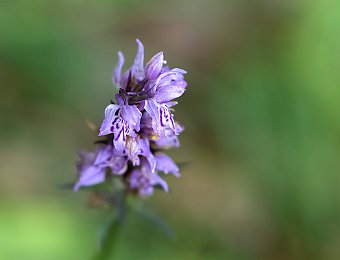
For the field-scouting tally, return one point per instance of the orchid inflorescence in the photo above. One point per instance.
(138, 127)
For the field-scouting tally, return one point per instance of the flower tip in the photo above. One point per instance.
(120, 55)
(76, 187)
(139, 43)
(158, 57)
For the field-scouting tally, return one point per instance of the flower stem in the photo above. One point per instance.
(109, 240)
(113, 229)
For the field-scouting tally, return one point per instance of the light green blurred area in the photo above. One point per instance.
(262, 126)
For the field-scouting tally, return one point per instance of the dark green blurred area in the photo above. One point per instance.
(261, 114)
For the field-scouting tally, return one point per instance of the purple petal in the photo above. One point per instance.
(132, 115)
(90, 176)
(144, 147)
(104, 153)
(124, 79)
(168, 142)
(132, 150)
(138, 65)
(86, 159)
(171, 103)
(156, 180)
(169, 92)
(143, 180)
(170, 76)
(166, 164)
(105, 127)
(150, 87)
(162, 119)
(120, 128)
(117, 74)
(178, 70)
(170, 85)
(154, 66)
(135, 178)
(153, 111)
(118, 165)
(119, 99)
(153, 178)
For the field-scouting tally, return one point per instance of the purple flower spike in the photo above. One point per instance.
(138, 127)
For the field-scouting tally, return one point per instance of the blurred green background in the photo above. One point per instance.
(261, 114)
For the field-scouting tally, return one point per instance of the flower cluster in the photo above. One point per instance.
(138, 127)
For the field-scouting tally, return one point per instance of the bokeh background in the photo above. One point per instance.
(261, 114)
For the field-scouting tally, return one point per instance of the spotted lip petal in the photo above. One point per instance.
(120, 129)
(132, 116)
(110, 114)
(162, 119)
(119, 120)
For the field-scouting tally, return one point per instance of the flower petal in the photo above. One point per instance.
(120, 128)
(153, 178)
(117, 73)
(103, 154)
(170, 92)
(153, 111)
(90, 176)
(166, 164)
(118, 165)
(110, 112)
(138, 65)
(144, 148)
(157, 180)
(132, 150)
(168, 142)
(154, 66)
(132, 115)
(162, 119)
(143, 179)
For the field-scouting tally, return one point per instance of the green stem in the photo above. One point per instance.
(109, 240)
(112, 230)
